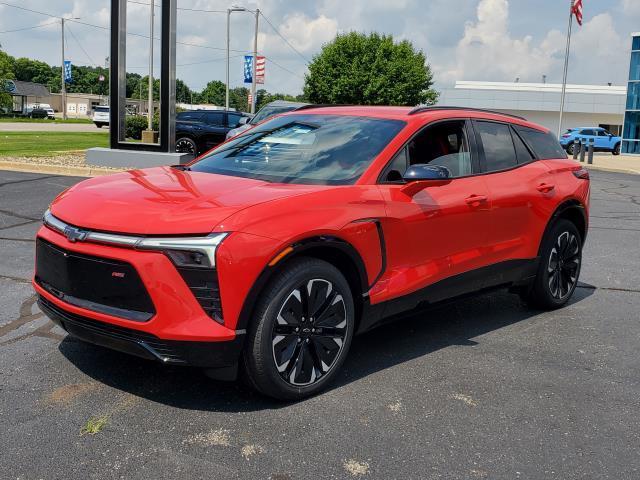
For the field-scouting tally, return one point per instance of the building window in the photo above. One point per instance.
(634, 71)
(633, 96)
(636, 43)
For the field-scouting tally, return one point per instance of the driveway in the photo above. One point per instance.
(483, 388)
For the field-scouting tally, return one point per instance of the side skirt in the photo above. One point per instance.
(510, 273)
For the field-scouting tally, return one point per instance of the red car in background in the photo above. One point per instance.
(271, 251)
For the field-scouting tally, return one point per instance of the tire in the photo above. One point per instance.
(186, 145)
(99, 125)
(559, 269)
(570, 148)
(305, 316)
(616, 149)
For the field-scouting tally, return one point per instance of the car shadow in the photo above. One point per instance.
(415, 335)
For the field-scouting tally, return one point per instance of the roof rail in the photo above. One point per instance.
(421, 109)
(322, 105)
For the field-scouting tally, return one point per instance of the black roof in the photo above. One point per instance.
(26, 89)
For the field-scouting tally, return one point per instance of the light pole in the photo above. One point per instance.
(255, 63)
(150, 95)
(63, 89)
(229, 11)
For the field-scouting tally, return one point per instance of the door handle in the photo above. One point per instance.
(545, 187)
(475, 200)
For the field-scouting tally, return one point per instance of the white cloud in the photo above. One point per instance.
(304, 33)
(488, 51)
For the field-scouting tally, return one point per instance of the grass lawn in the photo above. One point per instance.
(44, 120)
(45, 144)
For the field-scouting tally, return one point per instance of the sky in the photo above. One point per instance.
(494, 40)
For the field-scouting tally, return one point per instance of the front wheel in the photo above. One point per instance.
(559, 269)
(302, 331)
(616, 149)
(571, 148)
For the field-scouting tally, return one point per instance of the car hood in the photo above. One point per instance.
(164, 200)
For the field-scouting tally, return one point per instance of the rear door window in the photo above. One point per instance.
(544, 144)
(214, 118)
(496, 141)
(189, 116)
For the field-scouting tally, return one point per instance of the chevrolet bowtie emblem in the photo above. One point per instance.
(74, 234)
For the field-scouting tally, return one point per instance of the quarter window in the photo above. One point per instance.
(544, 144)
(499, 152)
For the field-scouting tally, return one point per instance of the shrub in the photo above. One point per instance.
(134, 125)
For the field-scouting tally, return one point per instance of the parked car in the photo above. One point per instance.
(200, 130)
(38, 113)
(40, 106)
(271, 251)
(101, 116)
(603, 140)
(269, 110)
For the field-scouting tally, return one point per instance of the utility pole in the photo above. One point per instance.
(255, 63)
(150, 95)
(63, 91)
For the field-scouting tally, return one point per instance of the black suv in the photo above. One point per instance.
(200, 130)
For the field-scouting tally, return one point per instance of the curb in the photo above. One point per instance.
(613, 170)
(57, 169)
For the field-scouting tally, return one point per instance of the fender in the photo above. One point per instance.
(299, 248)
(570, 204)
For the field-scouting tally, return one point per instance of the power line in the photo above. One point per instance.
(29, 28)
(283, 68)
(181, 8)
(82, 48)
(284, 38)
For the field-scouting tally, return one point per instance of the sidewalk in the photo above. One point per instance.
(619, 163)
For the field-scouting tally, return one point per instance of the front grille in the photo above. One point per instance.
(99, 284)
(131, 341)
(203, 283)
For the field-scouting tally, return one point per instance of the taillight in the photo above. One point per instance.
(581, 173)
(566, 135)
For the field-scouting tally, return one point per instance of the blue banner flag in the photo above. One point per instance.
(248, 68)
(67, 72)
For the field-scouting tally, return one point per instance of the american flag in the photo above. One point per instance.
(260, 70)
(576, 9)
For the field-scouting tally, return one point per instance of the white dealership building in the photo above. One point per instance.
(585, 105)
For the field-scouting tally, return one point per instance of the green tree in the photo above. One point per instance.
(213, 93)
(29, 70)
(239, 98)
(6, 73)
(356, 68)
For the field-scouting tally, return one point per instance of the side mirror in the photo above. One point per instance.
(243, 120)
(421, 176)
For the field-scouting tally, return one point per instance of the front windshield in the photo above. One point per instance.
(267, 112)
(307, 149)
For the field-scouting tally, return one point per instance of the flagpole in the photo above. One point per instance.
(566, 68)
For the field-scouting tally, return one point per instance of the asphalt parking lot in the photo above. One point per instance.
(484, 388)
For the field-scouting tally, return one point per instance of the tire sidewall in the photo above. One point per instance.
(269, 380)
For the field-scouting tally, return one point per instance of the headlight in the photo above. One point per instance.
(184, 251)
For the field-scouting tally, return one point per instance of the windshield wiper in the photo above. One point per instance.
(182, 167)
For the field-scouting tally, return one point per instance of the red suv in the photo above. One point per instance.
(271, 251)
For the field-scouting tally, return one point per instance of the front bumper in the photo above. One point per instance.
(142, 344)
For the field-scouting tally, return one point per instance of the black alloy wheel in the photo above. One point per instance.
(563, 265)
(558, 268)
(186, 145)
(309, 332)
(301, 330)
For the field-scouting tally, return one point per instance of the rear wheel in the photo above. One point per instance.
(559, 269)
(186, 145)
(302, 332)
